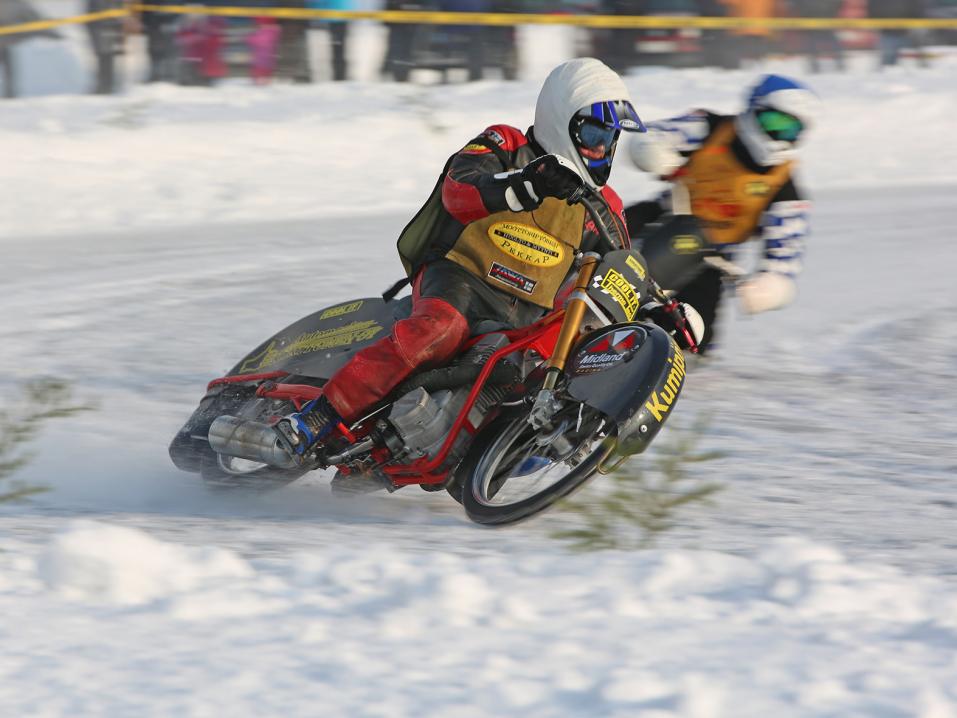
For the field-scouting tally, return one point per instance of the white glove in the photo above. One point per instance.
(695, 322)
(652, 153)
(765, 291)
(666, 320)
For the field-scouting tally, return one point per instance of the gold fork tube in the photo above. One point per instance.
(571, 324)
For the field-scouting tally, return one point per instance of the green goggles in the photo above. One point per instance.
(780, 125)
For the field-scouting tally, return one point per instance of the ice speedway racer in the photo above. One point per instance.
(519, 419)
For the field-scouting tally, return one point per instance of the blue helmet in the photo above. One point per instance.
(780, 110)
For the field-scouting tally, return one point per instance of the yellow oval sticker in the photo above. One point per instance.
(527, 244)
(685, 244)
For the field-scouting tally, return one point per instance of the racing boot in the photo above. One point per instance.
(302, 430)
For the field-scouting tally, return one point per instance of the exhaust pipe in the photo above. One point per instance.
(251, 440)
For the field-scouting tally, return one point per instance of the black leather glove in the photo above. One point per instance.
(553, 176)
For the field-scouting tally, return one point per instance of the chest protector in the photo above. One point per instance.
(726, 196)
(525, 254)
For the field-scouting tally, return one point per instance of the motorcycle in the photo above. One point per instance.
(677, 249)
(519, 419)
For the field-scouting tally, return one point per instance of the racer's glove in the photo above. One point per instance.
(553, 176)
(679, 319)
(652, 153)
(545, 176)
(765, 291)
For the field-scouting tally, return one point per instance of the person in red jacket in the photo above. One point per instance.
(495, 241)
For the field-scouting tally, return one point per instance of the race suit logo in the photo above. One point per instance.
(757, 188)
(661, 400)
(528, 245)
(624, 293)
(512, 278)
(495, 136)
(476, 149)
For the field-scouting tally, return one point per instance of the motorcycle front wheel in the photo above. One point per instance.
(515, 471)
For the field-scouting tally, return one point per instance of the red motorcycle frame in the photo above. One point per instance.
(540, 337)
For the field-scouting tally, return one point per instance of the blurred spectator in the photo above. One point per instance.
(447, 47)
(16, 12)
(106, 38)
(398, 56)
(821, 42)
(616, 46)
(630, 47)
(263, 43)
(338, 31)
(717, 49)
(894, 40)
(942, 9)
(160, 31)
(200, 41)
(294, 46)
(753, 41)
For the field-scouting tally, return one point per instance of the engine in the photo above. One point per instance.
(423, 416)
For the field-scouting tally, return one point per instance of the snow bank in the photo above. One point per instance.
(171, 155)
(128, 567)
(378, 630)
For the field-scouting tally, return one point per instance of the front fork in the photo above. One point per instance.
(546, 404)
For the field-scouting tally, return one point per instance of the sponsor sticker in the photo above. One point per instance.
(757, 188)
(527, 244)
(512, 278)
(632, 262)
(666, 393)
(341, 309)
(473, 149)
(346, 335)
(608, 351)
(624, 293)
(685, 244)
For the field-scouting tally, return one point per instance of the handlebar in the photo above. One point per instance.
(585, 197)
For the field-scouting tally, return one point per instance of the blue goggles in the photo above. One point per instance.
(590, 134)
(600, 123)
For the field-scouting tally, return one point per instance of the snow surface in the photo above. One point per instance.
(148, 240)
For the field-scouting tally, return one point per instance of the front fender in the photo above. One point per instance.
(632, 373)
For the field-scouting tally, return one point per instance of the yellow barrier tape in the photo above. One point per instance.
(595, 21)
(504, 19)
(39, 25)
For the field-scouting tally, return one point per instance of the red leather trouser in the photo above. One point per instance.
(432, 334)
(448, 303)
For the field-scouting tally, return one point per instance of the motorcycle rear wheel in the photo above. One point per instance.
(510, 474)
(227, 473)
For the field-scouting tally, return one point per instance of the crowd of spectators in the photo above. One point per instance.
(203, 49)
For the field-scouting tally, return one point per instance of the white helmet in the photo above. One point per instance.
(779, 112)
(581, 110)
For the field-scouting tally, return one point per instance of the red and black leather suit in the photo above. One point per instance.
(448, 300)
